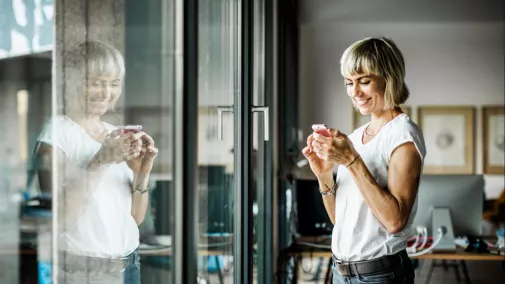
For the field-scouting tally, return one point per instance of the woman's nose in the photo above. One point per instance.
(356, 90)
(105, 91)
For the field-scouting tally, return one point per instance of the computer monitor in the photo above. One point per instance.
(309, 214)
(452, 201)
(216, 209)
(163, 218)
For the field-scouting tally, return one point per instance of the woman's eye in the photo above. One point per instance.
(365, 83)
(348, 84)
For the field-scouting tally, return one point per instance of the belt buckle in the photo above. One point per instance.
(336, 260)
(344, 269)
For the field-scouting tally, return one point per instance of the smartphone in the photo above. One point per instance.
(321, 129)
(132, 128)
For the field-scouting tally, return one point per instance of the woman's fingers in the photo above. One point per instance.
(306, 151)
(130, 137)
(148, 140)
(136, 143)
(310, 139)
(322, 139)
(132, 156)
(152, 151)
(115, 133)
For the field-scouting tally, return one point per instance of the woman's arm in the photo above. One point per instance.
(139, 200)
(75, 184)
(141, 167)
(326, 182)
(392, 206)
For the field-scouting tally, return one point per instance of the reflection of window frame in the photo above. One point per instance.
(22, 110)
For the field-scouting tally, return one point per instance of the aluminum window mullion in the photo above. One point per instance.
(185, 170)
(243, 245)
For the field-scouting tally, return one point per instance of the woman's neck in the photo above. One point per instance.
(379, 119)
(88, 122)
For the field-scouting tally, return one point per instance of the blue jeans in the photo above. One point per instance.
(132, 272)
(397, 274)
(131, 275)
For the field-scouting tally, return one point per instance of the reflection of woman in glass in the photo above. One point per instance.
(102, 172)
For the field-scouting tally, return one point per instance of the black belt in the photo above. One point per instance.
(79, 263)
(369, 266)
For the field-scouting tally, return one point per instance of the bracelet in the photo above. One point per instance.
(352, 161)
(332, 190)
(139, 192)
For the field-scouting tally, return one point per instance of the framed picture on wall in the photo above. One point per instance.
(493, 142)
(359, 120)
(449, 136)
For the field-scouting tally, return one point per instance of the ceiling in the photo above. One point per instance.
(317, 11)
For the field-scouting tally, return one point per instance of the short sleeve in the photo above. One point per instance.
(54, 134)
(406, 132)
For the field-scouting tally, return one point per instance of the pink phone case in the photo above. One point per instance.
(132, 128)
(321, 129)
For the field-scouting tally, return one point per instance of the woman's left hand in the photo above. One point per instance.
(337, 148)
(143, 163)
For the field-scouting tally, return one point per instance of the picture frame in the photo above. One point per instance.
(449, 133)
(359, 120)
(493, 144)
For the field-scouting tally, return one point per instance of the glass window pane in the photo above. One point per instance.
(218, 54)
(74, 135)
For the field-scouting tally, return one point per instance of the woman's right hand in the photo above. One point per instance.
(119, 147)
(319, 167)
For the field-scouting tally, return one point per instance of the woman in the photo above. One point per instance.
(102, 172)
(372, 203)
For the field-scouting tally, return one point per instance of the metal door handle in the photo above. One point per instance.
(220, 111)
(266, 120)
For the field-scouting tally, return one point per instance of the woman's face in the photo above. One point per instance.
(100, 93)
(366, 92)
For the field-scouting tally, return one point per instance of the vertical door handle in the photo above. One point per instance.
(266, 120)
(220, 111)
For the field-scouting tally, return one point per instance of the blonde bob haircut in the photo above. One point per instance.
(380, 57)
(93, 59)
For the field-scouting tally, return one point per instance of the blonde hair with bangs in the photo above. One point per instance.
(93, 59)
(381, 57)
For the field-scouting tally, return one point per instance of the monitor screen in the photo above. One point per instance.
(309, 214)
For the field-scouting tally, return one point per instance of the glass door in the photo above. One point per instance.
(233, 132)
(218, 84)
(114, 66)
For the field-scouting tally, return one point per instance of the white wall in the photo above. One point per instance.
(449, 62)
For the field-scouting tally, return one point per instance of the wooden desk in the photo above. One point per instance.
(199, 253)
(461, 255)
(299, 250)
(429, 256)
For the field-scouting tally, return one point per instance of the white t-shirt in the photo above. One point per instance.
(104, 226)
(358, 234)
